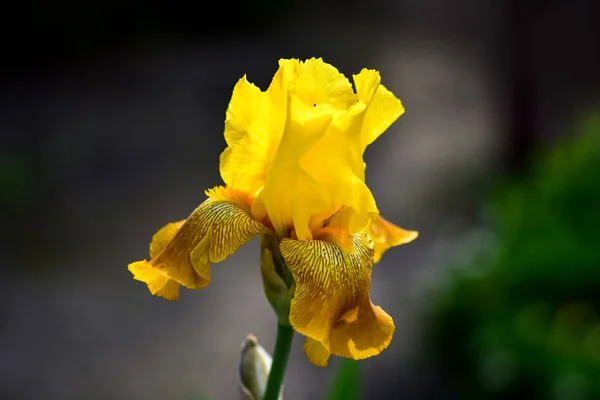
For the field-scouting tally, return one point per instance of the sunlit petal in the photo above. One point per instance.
(158, 284)
(386, 235)
(216, 229)
(331, 303)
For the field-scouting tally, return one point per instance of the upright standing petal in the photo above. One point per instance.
(252, 134)
(318, 83)
(318, 95)
(299, 146)
(383, 107)
(291, 196)
(254, 124)
(216, 229)
(331, 304)
(253, 127)
(340, 168)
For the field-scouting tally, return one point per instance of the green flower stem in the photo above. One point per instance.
(283, 344)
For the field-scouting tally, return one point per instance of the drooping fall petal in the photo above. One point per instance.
(386, 235)
(215, 230)
(161, 239)
(316, 352)
(331, 304)
(158, 284)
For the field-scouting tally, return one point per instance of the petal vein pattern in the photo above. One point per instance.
(215, 230)
(331, 303)
(294, 172)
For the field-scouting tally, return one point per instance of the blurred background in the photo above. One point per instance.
(111, 121)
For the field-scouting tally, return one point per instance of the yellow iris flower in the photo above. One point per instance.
(294, 170)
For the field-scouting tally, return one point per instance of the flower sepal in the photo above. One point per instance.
(278, 282)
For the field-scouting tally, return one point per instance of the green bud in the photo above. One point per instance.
(278, 283)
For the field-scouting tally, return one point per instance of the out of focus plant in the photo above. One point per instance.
(522, 319)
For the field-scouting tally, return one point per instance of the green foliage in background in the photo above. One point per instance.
(523, 319)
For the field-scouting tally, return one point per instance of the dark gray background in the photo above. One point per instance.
(111, 120)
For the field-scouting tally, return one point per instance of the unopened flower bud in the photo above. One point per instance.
(255, 364)
(278, 283)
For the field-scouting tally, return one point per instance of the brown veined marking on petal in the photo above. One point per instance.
(312, 309)
(364, 330)
(338, 236)
(216, 229)
(164, 235)
(174, 260)
(324, 285)
(332, 304)
(200, 257)
(231, 228)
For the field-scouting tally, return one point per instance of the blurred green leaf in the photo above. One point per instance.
(527, 311)
(14, 178)
(346, 384)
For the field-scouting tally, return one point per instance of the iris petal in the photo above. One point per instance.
(254, 124)
(316, 352)
(386, 235)
(290, 195)
(383, 107)
(331, 304)
(158, 284)
(215, 230)
(317, 82)
(298, 146)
